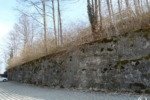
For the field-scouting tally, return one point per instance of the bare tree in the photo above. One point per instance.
(148, 5)
(44, 16)
(109, 10)
(14, 41)
(100, 15)
(24, 29)
(40, 7)
(54, 21)
(137, 7)
(120, 8)
(60, 34)
(92, 7)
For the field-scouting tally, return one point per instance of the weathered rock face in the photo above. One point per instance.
(117, 64)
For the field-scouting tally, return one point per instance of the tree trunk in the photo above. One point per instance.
(109, 11)
(45, 25)
(54, 22)
(100, 16)
(93, 17)
(136, 6)
(60, 23)
(148, 5)
(120, 8)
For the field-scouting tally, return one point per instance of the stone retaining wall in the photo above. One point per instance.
(115, 64)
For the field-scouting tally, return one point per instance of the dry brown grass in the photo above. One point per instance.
(83, 35)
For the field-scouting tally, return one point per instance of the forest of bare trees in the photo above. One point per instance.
(118, 16)
(39, 30)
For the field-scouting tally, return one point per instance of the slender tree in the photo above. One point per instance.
(120, 8)
(41, 9)
(45, 23)
(24, 29)
(54, 21)
(93, 11)
(148, 5)
(137, 7)
(59, 23)
(109, 10)
(100, 15)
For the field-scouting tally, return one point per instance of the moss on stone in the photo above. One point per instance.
(146, 75)
(125, 34)
(131, 45)
(113, 39)
(109, 49)
(138, 91)
(145, 33)
(139, 30)
(147, 57)
(102, 49)
(147, 91)
(124, 62)
(107, 40)
(120, 64)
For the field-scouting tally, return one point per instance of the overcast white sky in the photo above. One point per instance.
(73, 12)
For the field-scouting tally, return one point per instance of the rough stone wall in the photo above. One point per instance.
(116, 64)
